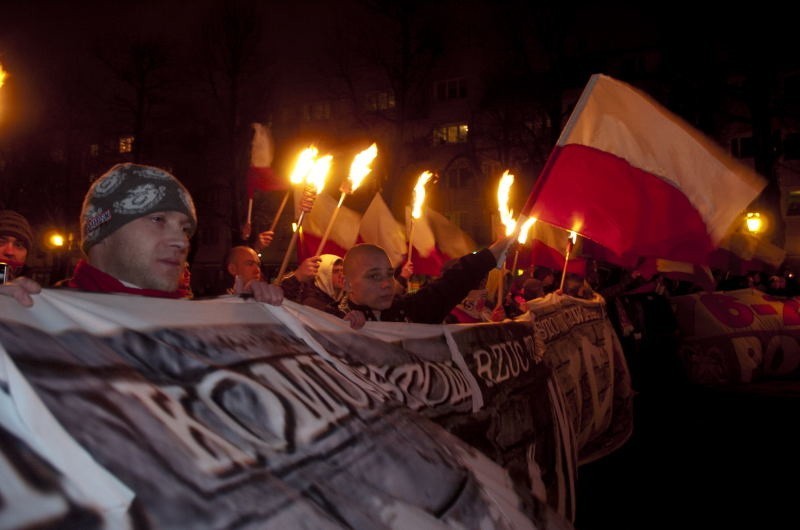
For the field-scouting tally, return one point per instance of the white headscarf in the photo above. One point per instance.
(324, 278)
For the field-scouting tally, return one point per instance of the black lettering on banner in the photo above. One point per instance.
(430, 384)
(315, 410)
(551, 326)
(269, 432)
(212, 453)
(504, 360)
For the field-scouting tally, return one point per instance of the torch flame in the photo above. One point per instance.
(360, 167)
(305, 162)
(506, 215)
(523, 231)
(319, 172)
(3, 75)
(573, 236)
(419, 194)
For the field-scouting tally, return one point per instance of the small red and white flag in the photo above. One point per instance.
(259, 174)
(343, 234)
(740, 253)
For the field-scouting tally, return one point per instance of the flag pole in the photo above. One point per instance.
(410, 245)
(330, 225)
(308, 195)
(359, 169)
(280, 209)
(501, 286)
(514, 266)
(570, 243)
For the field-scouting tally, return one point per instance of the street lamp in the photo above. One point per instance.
(754, 222)
(56, 240)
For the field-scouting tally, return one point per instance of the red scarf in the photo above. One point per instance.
(88, 278)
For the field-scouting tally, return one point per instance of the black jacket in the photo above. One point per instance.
(432, 302)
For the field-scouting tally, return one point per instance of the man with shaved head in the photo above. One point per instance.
(370, 285)
(244, 265)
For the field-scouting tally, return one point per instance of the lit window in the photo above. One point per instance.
(449, 89)
(94, 150)
(450, 134)
(126, 144)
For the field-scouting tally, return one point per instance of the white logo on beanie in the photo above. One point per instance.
(153, 173)
(108, 185)
(140, 199)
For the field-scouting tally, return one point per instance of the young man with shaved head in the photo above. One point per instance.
(370, 285)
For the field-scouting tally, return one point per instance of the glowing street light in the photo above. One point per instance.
(57, 240)
(754, 222)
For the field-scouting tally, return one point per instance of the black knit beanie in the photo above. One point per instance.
(125, 193)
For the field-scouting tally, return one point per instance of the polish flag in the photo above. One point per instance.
(700, 275)
(260, 175)
(640, 181)
(548, 248)
(451, 240)
(379, 227)
(426, 256)
(740, 253)
(344, 231)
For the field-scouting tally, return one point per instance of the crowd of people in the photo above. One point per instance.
(136, 223)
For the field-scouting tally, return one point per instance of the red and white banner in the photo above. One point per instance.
(738, 336)
(637, 179)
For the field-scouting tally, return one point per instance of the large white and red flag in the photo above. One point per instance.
(640, 181)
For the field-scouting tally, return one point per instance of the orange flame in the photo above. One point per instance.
(360, 168)
(419, 194)
(506, 215)
(3, 75)
(304, 164)
(319, 172)
(523, 231)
